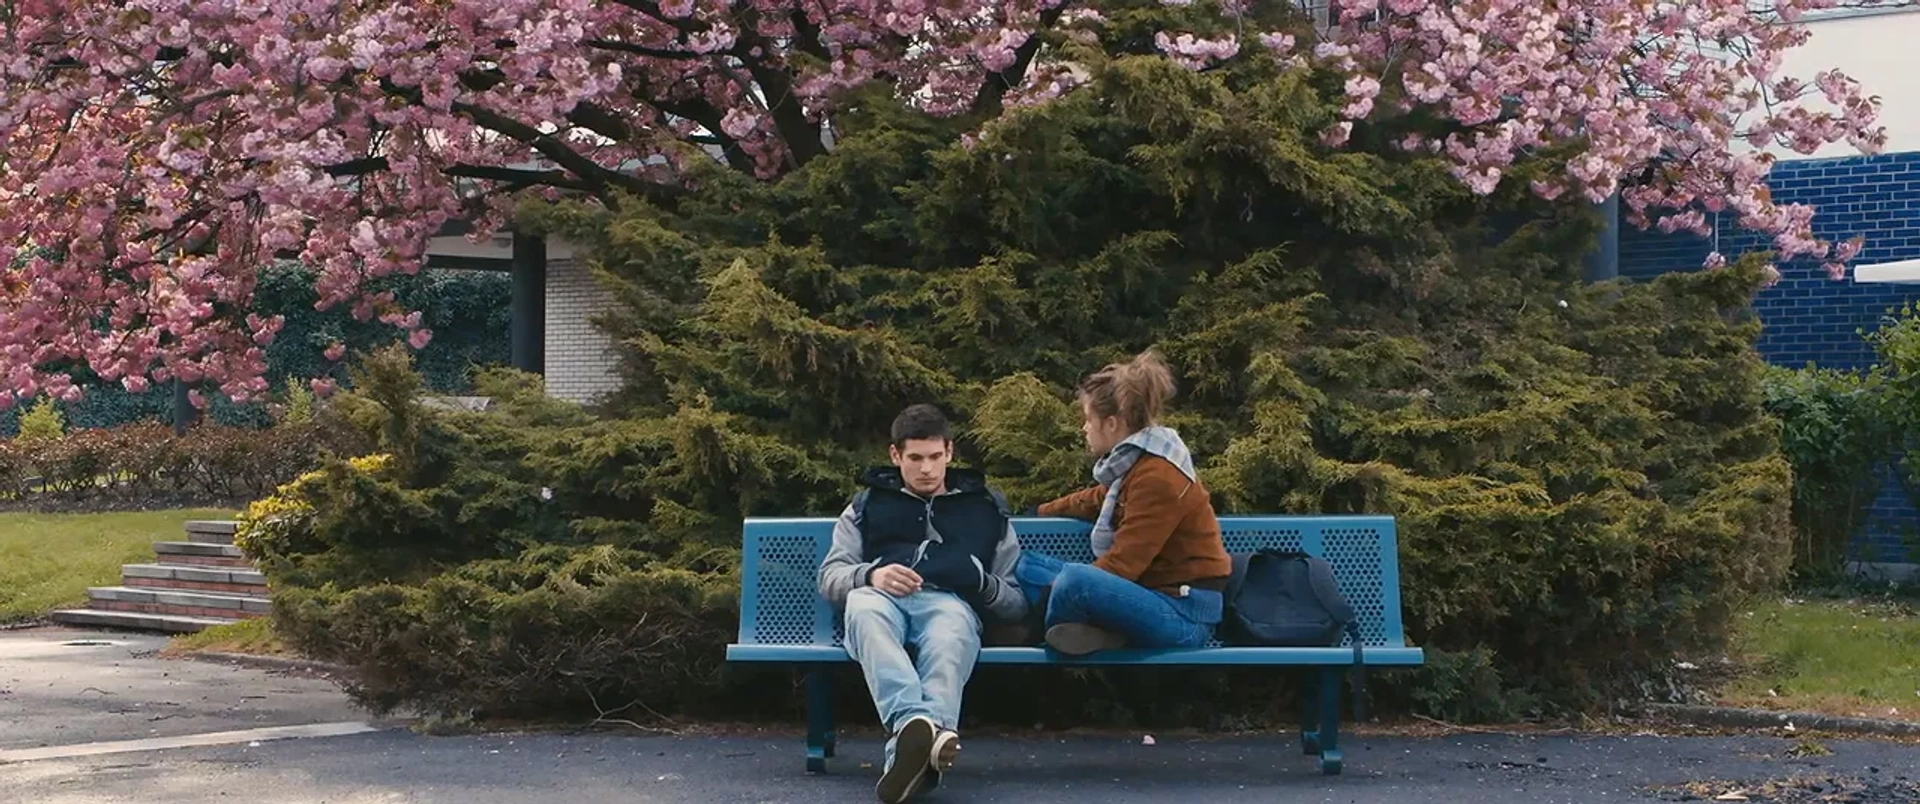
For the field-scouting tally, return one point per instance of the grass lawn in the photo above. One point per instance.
(1859, 658)
(47, 561)
(254, 637)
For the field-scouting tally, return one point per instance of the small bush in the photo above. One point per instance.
(1898, 343)
(1837, 428)
(42, 422)
(1466, 687)
(300, 405)
(549, 631)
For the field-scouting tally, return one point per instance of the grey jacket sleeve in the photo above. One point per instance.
(843, 570)
(1004, 600)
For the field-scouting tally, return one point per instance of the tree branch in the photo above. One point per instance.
(357, 167)
(801, 135)
(513, 175)
(596, 178)
(520, 177)
(993, 92)
(806, 37)
(709, 116)
(643, 50)
(600, 121)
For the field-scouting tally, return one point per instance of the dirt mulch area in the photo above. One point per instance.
(1876, 789)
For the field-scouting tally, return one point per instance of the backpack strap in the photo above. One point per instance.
(1327, 589)
(1237, 577)
(860, 506)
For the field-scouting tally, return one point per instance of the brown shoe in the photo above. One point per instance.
(1080, 639)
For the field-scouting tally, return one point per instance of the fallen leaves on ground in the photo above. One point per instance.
(1827, 790)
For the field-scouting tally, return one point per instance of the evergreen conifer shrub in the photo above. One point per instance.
(1585, 478)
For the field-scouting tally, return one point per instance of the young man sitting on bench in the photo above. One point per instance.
(923, 556)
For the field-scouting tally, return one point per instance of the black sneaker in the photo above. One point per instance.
(912, 755)
(1080, 639)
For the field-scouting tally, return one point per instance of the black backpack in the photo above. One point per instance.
(1285, 598)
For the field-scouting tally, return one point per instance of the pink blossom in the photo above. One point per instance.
(335, 352)
(1361, 89)
(1279, 43)
(256, 138)
(1196, 52)
(326, 69)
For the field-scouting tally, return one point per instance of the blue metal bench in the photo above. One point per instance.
(784, 620)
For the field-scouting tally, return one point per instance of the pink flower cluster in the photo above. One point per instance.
(1673, 105)
(160, 151)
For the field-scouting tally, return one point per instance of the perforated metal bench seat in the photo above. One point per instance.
(783, 619)
(1196, 657)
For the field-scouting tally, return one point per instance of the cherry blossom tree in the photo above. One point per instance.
(154, 153)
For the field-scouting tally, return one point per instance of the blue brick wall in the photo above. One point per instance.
(1807, 317)
(1892, 523)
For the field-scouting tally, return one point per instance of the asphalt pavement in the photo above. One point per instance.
(389, 767)
(61, 686)
(73, 743)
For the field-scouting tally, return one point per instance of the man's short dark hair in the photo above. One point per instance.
(919, 421)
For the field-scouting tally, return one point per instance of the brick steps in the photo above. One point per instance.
(201, 554)
(191, 585)
(136, 621)
(147, 574)
(170, 601)
(209, 531)
(165, 549)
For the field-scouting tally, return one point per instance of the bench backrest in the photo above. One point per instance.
(780, 602)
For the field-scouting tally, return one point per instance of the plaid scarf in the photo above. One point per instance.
(1114, 466)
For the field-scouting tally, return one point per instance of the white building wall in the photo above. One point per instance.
(1876, 48)
(581, 361)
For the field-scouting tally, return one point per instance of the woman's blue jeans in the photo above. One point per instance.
(1084, 593)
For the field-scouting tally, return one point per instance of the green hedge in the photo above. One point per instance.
(1840, 428)
(146, 466)
(467, 311)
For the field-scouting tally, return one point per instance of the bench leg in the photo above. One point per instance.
(821, 739)
(1328, 733)
(1310, 712)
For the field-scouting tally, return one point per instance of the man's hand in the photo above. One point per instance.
(895, 579)
(964, 577)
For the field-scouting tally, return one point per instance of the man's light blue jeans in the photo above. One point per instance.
(945, 634)
(1084, 593)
